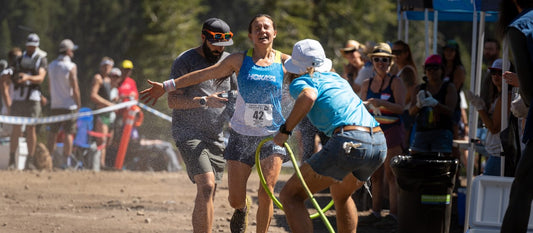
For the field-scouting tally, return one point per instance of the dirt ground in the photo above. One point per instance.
(124, 201)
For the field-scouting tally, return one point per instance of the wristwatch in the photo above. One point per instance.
(283, 129)
(203, 101)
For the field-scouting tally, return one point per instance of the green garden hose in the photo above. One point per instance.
(320, 212)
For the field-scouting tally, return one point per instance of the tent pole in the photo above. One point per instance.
(399, 14)
(472, 122)
(505, 97)
(435, 30)
(406, 26)
(426, 25)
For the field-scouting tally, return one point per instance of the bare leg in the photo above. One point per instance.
(202, 215)
(238, 174)
(377, 189)
(344, 205)
(271, 167)
(391, 180)
(31, 139)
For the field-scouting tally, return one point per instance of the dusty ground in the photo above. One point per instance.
(126, 201)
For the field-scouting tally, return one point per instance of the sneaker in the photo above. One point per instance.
(369, 219)
(30, 164)
(387, 222)
(239, 220)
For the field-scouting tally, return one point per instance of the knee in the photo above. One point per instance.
(206, 190)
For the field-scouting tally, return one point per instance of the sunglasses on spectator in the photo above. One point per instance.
(496, 72)
(218, 35)
(431, 67)
(397, 51)
(381, 59)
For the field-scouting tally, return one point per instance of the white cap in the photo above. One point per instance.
(497, 64)
(308, 53)
(115, 71)
(67, 44)
(33, 40)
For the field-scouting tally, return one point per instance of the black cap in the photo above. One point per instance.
(217, 25)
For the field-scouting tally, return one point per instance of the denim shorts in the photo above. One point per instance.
(242, 148)
(333, 161)
(201, 157)
(493, 166)
(433, 141)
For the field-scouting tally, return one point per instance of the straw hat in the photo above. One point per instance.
(382, 50)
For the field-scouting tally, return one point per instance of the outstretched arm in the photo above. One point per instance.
(223, 69)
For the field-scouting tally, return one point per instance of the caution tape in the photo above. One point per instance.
(15, 120)
(155, 112)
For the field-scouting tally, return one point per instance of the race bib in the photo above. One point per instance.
(258, 115)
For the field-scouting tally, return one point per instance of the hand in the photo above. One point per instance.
(375, 110)
(475, 100)
(511, 78)
(214, 101)
(430, 101)
(420, 97)
(519, 108)
(280, 139)
(153, 93)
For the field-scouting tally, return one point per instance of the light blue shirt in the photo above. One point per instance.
(336, 104)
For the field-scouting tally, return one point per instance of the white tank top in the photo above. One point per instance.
(60, 89)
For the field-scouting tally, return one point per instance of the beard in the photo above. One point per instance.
(210, 56)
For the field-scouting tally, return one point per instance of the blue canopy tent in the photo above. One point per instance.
(477, 12)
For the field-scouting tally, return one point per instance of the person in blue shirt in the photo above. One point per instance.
(357, 146)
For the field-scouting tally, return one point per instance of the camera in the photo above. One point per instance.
(229, 94)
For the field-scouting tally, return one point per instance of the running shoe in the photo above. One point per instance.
(239, 220)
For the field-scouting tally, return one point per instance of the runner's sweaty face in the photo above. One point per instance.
(262, 31)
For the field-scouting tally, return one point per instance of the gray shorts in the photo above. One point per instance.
(26, 108)
(242, 148)
(201, 157)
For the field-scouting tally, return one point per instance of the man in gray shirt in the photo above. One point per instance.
(199, 116)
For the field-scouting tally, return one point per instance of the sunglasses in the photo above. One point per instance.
(431, 67)
(496, 72)
(218, 35)
(350, 51)
(381, 59)
(397, 51)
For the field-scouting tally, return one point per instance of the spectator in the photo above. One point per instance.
(5, 77)
(492, 119)
(101, 98)
(260, 78)
(352, 52)
(127, 87)
(405, 68)
(385, 96)
(517, 19)
(28, 74)
(356, 148)
(64, 95)
(199, 116)
(433, 107)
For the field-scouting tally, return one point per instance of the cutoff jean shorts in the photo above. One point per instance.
(333, 161)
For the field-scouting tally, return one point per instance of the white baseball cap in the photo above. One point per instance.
(67, 44)
(33, 40)
(308, 53)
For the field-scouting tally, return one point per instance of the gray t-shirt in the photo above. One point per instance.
(199, 123)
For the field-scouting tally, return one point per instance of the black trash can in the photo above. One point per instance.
(425, 183)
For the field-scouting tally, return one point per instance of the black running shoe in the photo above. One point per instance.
(239, 220)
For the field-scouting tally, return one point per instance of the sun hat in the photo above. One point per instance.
(127, 64)
(67, 44)
(381, 49)
(352, 45)
(217, 25)
(33, 40)
(308, 53)
(497, 64)
(434, 59)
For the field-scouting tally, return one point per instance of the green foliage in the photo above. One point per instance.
(152, 33)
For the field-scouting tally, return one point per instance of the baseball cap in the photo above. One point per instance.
(215, 25)
(434, 59)
(307, 53)
(452, 44)
(497, 64)
(352, 45)
(127, 64)
(115, 71)
(381, 49)
(33, 40)
(67, 44)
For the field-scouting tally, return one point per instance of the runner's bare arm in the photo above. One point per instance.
(223, 69)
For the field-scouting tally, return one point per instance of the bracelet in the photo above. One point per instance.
(169, 85)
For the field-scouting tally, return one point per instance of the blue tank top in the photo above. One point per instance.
(387, 118)
(258, 106)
